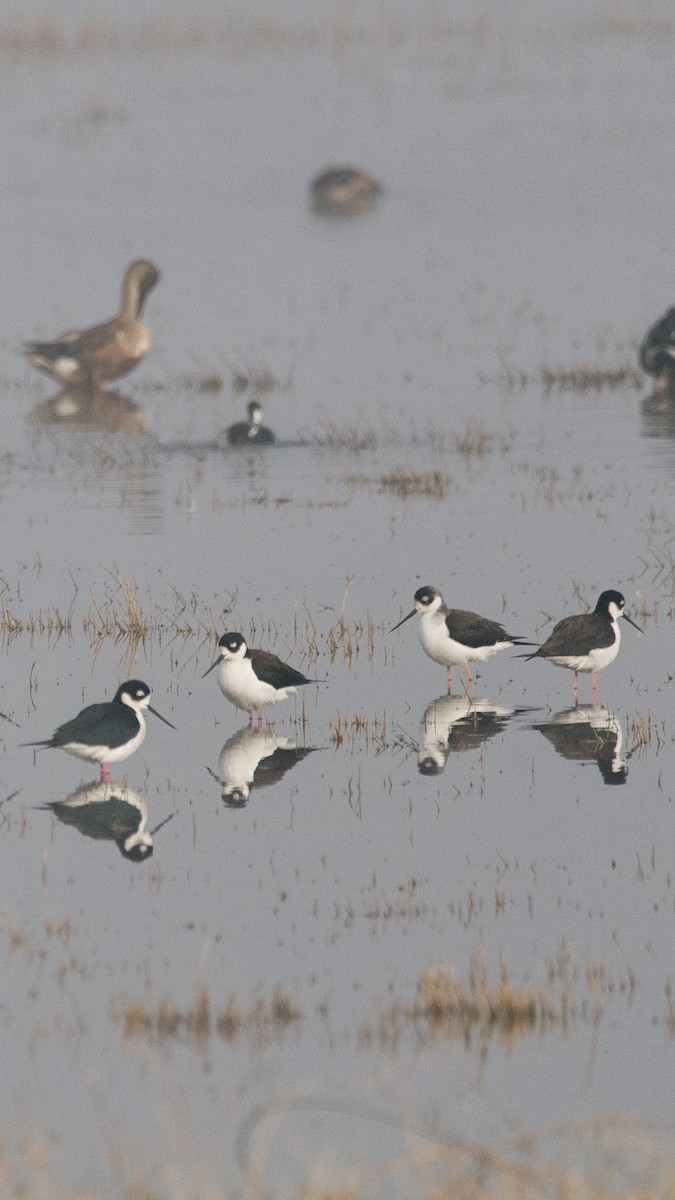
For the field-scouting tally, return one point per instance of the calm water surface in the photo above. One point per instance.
(523, 226)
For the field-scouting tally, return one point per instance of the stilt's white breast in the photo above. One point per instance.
(107, 754)
(239, 683)
(433, 634)
(593, 660)
(447, 650)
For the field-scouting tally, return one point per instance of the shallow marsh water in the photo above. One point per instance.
(523, 227)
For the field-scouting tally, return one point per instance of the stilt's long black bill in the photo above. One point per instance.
(156, 714)
(403, 620)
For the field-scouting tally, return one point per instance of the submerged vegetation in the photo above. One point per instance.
(121, 616)
(446, 1006)
(612, 1156)
(582, 378)
(260, 1019)
(404, 482)
(39, 37)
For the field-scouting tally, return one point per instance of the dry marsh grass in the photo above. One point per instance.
(120, 613)
(589, 379)
(208, 383)
(260, 1020)
(258, 378)
(583, 378)
(345, 637)
(445, 1006)
(477, 1009)
(352, 438)
(39, 37)
(45, 622)
(474, 442)
(356, 729)
(405, 482)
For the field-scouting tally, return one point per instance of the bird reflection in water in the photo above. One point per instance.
(454, 724)
(93, 409)
(110, 812)
(588, 733)
(255, 758)
(656, 354)
(657, 357)
(658, 416)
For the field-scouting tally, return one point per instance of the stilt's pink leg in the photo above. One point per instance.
(595, 687)
(576, 688)
(105, 772)
(250, 718)
(260, 718)
(449, 680)
(469, 677)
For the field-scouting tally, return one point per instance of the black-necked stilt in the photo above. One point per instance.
(657, 353)
(251, 432)
(88, 358)
(109, 732)
(587, 642)
(454, 637)
(344, 192)
(252, 679)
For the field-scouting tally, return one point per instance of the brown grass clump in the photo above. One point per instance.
(475, 441)
(262, 1020)
(258, 378)
(51, 622)
(443, 997)
(351, 438)
(39, 38)
(449, 1007)
(211, 382)
(405, 482)
(36, 38)
(589, 378)
(355, 728)
(585, 378)
(346, 636)
(120, 618)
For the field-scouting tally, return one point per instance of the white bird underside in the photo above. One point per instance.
(62, 368)
(240, 685)
(439, 645)
(107, 754)
(595, 660)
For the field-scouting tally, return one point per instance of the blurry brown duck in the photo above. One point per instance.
(88, 358)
